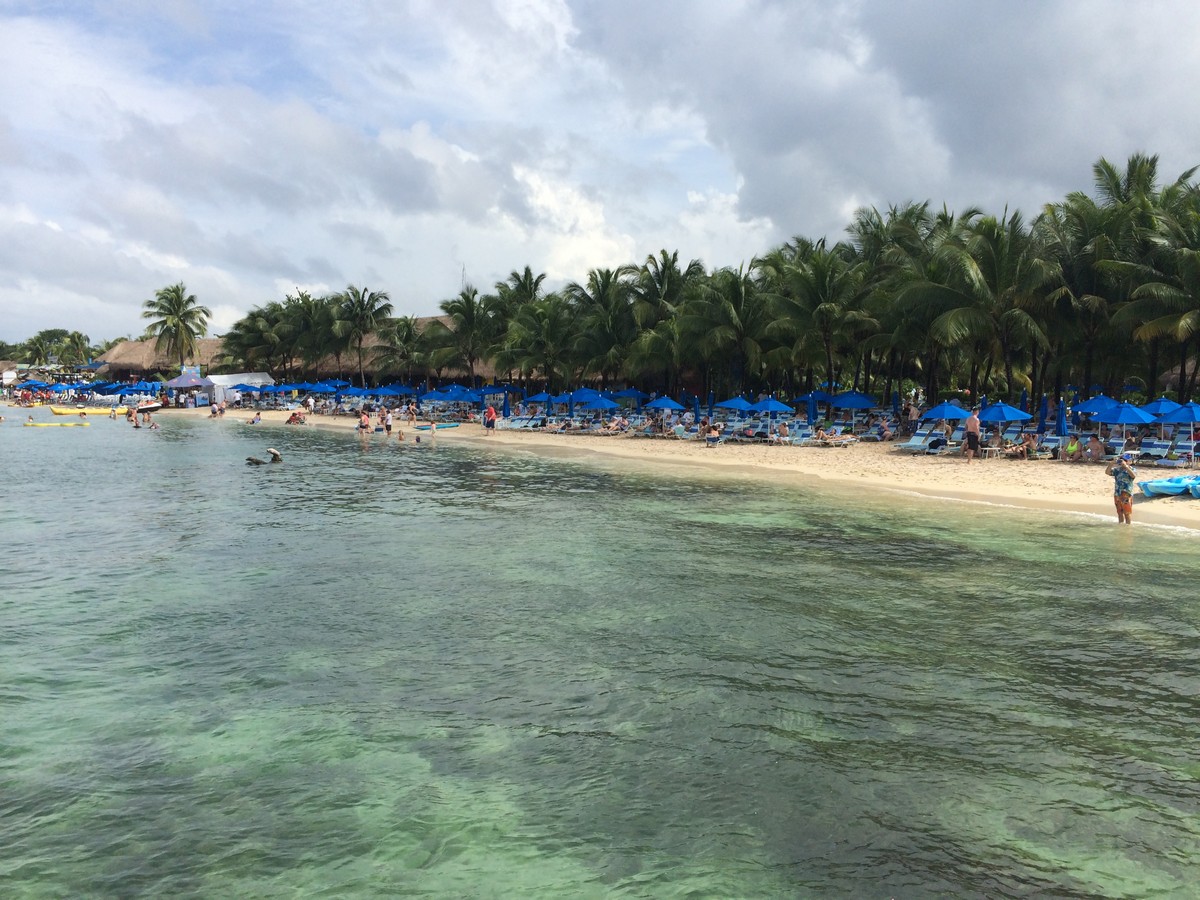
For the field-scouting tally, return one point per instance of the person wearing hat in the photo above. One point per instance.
(1123, 473)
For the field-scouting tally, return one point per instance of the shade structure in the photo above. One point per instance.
(711, 398)
(1003, 412)
(189, 379)
(1025, 399)
(811, 410)
(1043, 413)
(1124, 414)
(853, 400)
(818, 395)
(741, 404)
(632, 393)
(507, 410)
(664, 403)
(1097, 404)
(542, 397)
(1187, 414)
(945, 411)
(771, 405)
(896, 404)
(1060, 423)
(1160, 406)
(600, 403)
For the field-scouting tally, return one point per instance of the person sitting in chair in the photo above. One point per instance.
(1072, 451)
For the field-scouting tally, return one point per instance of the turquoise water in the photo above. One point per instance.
(381, 670)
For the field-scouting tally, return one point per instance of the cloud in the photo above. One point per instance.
(249, 149)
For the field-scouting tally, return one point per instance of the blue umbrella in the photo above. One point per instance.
(543, 397)
(696, 407)
(741, 404)
(507, 410)
(1188, 414)
(1096, 404)
(1124, 414)
(771, 405)
(1043, 414)
(664, 403)
(1025, 399)
(600, 403)
(819, 396)
(711, 397)
(896, 404)
(853, 400)
(1003, 412)
(1160, 406)
(632, 393)
(812, 409)
(946, 411)
(1061, 423)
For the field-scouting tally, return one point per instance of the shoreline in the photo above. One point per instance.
(1047, 485)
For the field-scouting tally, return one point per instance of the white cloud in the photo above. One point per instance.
(249, 150)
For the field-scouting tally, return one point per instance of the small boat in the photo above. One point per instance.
(58, 424)
(150, 406)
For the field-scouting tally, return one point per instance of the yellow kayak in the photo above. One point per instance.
(57, 424)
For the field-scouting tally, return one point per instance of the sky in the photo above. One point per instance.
(250, 150)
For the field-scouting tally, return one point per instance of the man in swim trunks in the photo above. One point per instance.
(489, 420)
(971, 431)
(1123, 473)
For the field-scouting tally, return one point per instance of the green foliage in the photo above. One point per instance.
(1097, 287)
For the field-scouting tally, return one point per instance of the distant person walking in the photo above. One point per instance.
(1123, 473)
(489, 420)
(971, 431)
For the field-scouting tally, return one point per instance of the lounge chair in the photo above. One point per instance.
(835, 437)
(918, 443)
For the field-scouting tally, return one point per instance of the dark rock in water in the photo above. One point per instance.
(255, 461)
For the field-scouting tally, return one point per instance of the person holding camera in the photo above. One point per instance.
(1123, 472)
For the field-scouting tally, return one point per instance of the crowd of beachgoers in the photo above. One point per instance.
(913, 447)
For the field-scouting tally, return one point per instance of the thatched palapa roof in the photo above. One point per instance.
(141, 357)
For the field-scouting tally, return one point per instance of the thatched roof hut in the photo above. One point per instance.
(140, 358)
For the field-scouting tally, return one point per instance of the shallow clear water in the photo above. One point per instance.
(454, 672)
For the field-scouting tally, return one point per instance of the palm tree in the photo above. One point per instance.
(541, 340)
(400, 348)
(996, 278)
(75, 349)
(178, 321)
(39, 350)
(1168, 302)
(817, 293)
(467, 337)
(727, 322)
(608, 327)
(360, 313)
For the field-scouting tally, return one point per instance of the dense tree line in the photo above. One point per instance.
(1098, 289)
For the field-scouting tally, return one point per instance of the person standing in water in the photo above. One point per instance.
(1123, 473)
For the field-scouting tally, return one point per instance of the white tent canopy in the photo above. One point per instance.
(222, 384)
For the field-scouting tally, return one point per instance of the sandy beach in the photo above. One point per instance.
(1033, 484)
